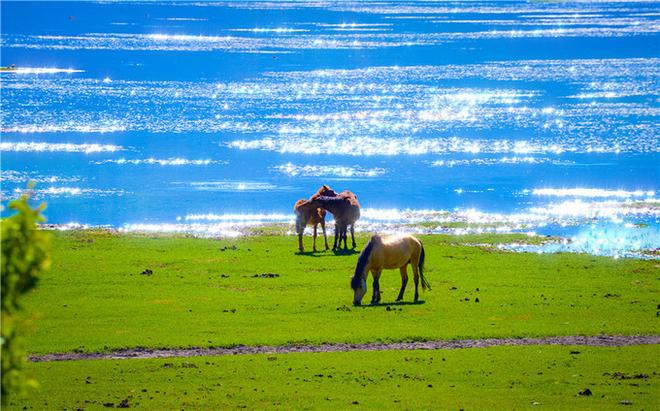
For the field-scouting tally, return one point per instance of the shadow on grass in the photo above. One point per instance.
(313, 253)
(393, 304)
(341, 251)
(327, 253)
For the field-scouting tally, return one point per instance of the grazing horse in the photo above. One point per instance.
(344, 207)
(388, 253)
(309, 213)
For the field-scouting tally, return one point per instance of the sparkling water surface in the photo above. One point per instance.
(466, 116)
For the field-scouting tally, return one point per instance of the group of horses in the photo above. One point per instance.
(344, 207)
(379, 253)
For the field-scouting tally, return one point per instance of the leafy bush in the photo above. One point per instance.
(25, 253)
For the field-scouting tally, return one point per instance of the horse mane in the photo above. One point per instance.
(363, 259)
(328, 199)
(323, 189)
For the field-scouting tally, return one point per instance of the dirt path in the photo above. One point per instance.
(596, 341)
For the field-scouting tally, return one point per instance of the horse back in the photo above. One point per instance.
(397, 251)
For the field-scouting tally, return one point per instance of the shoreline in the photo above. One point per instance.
(519, 241)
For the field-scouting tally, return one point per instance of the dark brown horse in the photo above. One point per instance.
(345, 209)
(309, 213)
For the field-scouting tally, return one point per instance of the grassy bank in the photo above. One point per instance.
(547, 377)
(204, 292)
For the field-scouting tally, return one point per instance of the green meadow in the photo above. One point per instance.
(534, 377)
(206, 292)
(107, 291)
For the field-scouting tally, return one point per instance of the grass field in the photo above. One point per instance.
(543, 377)
(204, 293)
(207, 292)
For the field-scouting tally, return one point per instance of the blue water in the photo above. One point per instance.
(531, 116)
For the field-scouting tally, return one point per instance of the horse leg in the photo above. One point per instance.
(300, 235)
(404, 282)
(324, 236)
(416, 278)
(375, 297)
(353, 234)
(314, 246)
(344, 236)
(336, 245)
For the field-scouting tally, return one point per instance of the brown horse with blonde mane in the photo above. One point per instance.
(309, 213)
(388, 253)
(345, 209)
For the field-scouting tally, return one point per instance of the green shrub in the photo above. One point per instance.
(25, 253)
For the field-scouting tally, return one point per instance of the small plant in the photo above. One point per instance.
(25, 254)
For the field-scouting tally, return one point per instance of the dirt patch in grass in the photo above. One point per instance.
(596, 341)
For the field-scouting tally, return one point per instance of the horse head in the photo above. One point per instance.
(359, 290)
(359, 280)
(326, 192)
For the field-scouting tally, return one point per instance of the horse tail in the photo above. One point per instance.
(297, 205)
(425, 283)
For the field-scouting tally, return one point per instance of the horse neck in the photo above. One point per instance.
(332, 206)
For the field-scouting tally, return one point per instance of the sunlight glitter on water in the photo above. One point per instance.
(230, 186)
(370, 146)
(294, 170)
(590, 192)
(174, 161)
(521, 138)
(211, 230)
(21, 177)
(499, 161)
(60, 147)
(612, 240)
(258, 218)
(49, 192)
(42, 70)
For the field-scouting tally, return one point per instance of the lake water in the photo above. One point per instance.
(207, 117)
